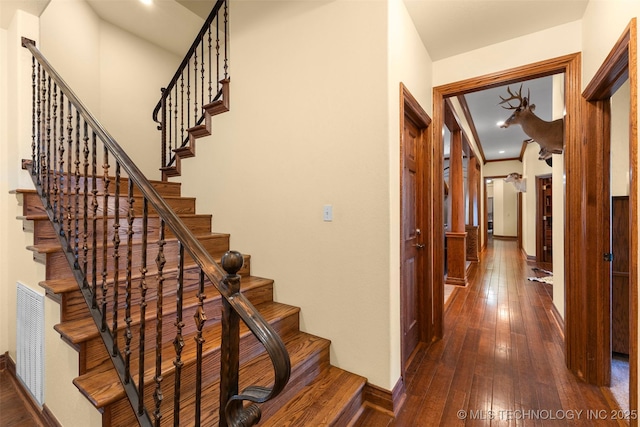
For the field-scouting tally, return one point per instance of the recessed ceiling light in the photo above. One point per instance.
(500, 123)
(501, 151)
(147, 2)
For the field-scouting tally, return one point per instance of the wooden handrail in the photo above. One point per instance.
(187, 57)
(180, 95)
(262, 330)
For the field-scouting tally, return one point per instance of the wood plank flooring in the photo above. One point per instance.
(501, 358)
(14, 411)
(501, 361)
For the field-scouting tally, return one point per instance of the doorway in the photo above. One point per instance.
(603, 230)
(544, 221)
(416, 289)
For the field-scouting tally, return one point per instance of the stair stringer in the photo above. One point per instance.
(205, 129)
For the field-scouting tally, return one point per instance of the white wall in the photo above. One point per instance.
(306, 111)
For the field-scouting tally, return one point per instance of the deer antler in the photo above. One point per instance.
(513, 96)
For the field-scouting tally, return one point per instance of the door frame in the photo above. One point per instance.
(620, 65)
(570, 65)
(410, 109)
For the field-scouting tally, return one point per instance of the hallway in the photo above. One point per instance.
(501, 358)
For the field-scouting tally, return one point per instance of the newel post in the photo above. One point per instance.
(230, 348)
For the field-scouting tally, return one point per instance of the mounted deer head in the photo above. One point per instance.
(518, 181)
(549, 135)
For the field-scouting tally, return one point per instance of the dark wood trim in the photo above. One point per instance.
(385, 401)
(558, 319)
(620, 65)
(527, 256)
(505, 160)
(3, 360)
(499, 237)
(48, 418)
(570, 65)
(472, 126)
(523, 149)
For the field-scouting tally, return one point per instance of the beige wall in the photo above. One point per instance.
(118, 79)
(324, 132)
(133, 92)
(409, 63)
(531, 167)
(505, 208)
(620, 141)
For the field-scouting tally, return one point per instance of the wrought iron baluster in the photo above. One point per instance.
(178, 101)
(181, 110)
(40, 135)
(196, 115)
(217, 51)
(94, 222)
(163, 129)
(105, 227)
(34, 167)
(202, 100)
(178, 342)
(47, 93)
(169, 131)
(200, 318)
(188, 71)
(210, 64)
(226, 36)
(57, 163)
(76, 237)
(160, 262)
(85, 203)
(68, 175)
(143, 303)
(127, 300)
(116, 260)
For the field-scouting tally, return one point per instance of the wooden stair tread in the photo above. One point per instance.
(320, 403)
(81, 330)
(103, 387)
(45, 248)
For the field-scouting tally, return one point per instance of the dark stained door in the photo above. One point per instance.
(413, 253)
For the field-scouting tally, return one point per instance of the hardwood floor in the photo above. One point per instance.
(501, 358)
(14, 412)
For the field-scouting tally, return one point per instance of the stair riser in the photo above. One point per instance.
(44, 232)
(302, 372)
(164, 188)
(57, 266)
(33, 205)
(120, 411)
(95, 352)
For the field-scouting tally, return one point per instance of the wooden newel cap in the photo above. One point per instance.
(232, 262)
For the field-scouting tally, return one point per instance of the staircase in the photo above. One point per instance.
(317, 393)
(170, 326)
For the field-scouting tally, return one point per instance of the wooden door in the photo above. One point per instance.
(413, 246)
(544, 222)
(620, 295)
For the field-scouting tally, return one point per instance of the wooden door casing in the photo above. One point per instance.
(416, 286)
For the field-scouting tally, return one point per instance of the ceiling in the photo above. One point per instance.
(446, 27)
(486, 112)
